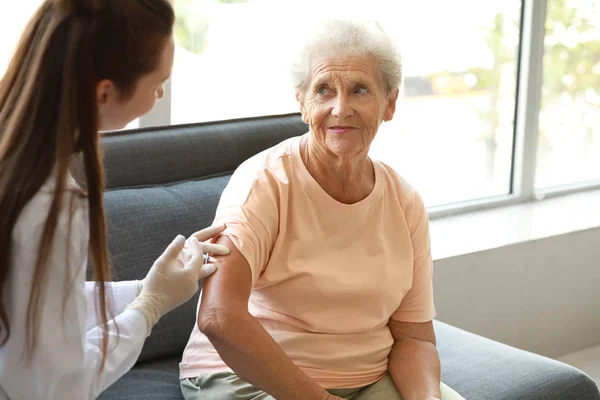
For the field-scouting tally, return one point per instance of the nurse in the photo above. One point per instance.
(82, 66)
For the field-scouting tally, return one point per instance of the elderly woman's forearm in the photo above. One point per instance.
(414, 365)
(255, 357)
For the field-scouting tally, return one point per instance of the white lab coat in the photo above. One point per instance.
(66, 361)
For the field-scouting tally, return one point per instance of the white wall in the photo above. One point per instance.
(542, 295)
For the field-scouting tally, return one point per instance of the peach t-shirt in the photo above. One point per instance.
(327, 277)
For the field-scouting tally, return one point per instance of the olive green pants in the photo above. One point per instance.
(227, 386)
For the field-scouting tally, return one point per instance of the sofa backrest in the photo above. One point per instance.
(165, 182)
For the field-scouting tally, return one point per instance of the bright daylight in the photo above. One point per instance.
(300, 199)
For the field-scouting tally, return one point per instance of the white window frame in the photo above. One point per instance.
(528, 101)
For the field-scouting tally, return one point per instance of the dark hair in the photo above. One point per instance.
(48, 112)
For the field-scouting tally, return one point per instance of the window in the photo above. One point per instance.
(13, 18)
(500, 101)
(452, 135)
(568, 148)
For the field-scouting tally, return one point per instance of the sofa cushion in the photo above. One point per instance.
(157, 380)
(479, 368)
(165, 155)
(141, 223)
(476, 367)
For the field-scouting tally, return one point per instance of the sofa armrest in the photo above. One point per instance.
(480, 368)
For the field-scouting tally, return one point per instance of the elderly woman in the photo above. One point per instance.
(327, 291)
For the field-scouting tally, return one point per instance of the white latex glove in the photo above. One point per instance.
(207, 248)
(173, 279)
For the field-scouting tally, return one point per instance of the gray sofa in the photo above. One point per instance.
(162, 182)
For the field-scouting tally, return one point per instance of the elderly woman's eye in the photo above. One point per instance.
(361, 90)
(322, 90)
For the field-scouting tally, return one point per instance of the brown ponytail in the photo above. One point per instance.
(48, 112)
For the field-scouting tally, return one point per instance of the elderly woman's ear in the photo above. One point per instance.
(302, 111)
(391, 105)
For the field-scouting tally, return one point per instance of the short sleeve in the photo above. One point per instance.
(249, 207)
(417, 306)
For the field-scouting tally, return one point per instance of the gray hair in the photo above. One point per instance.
(349, 38)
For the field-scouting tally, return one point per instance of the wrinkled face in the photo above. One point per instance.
(344, 104)
(116, 113)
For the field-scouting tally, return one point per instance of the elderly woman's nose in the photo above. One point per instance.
(342, 107)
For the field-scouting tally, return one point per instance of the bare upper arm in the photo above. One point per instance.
(412, 330)
(229, 287)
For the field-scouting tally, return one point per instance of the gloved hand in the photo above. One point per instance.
(207, 247)
(173, 279)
